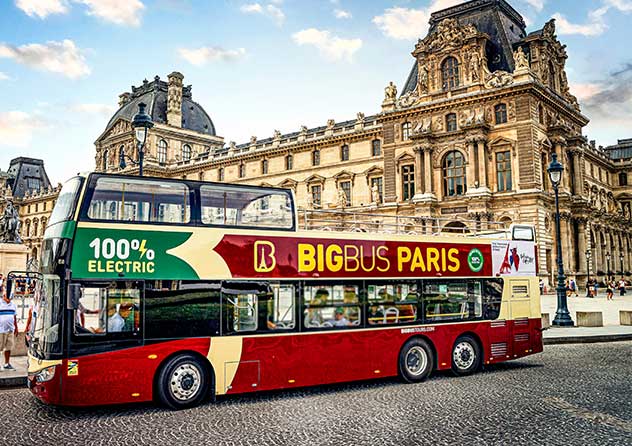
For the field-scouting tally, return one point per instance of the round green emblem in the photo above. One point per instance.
(475, 260)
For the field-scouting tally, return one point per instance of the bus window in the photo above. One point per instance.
(280, 309)
(392, 302)
(331, 306)
(237, 206)
(492, 298)
(179, 309)
(124, 199)
(108, 309)
(241, 301)
(66, 201)
(452, 300)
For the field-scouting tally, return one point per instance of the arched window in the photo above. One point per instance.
(43, 226)
(454, 174)
(242, 170)
(162, 151)
(344, 153)
(289, 162)
(376, 147)
(35, 222)
(27, 228)
(450, 122)
(500, 112)
(106, 155)
(450, 73)
(316, 158)
(406, 127)
(186, 152)
(118, 158)
(264, 167)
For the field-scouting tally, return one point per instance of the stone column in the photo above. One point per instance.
(564, 239)
(420, 185)
(471, 170)
(581, 245)
(428, 188)
(579, 183)
(482, 163)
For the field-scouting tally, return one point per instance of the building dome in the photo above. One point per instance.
(155, 95)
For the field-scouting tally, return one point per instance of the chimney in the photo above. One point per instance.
(174, 99)
(123, 99)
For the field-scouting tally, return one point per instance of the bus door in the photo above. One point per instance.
(495, 307)
(520, 308)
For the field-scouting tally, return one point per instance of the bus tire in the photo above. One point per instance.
(416, 360)
(466, 356)
(182, 382)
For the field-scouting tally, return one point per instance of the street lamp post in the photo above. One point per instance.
(562, 316)
(621, 260)
(141, 123)
(588, 273)
(608, 269)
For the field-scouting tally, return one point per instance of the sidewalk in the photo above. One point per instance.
(17, 377)
(609, 308)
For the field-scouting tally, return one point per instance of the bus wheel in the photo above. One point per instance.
(466, 356)
(182, 382)
(416, 361)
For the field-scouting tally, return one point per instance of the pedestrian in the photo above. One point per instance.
(541, 287)
(609, 290)
(596, 287)
(8, 329)
(622, 287)
(573, 287)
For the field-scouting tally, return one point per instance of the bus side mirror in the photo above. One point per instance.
(74, 294)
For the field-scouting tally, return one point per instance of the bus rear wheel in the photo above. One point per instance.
(466, 356)
(416, 360)
(182, 382)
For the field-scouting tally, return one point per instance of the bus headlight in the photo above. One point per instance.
(45, 374)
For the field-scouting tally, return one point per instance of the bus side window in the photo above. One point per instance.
(492, 298)
(279, 311)
(241, 301)
(90, 317)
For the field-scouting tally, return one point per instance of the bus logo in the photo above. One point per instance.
(475, 260)
(264, 256)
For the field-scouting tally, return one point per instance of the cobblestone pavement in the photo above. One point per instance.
(570, 394)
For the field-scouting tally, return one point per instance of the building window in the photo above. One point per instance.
(264, 167)
(242, 170)
(379, 183)
(408, 182)
(220, 174)
(344, 153)
(406, 127)
(316, 158)
(623, 179)
(450, 73)
(162, 151)
(317, 192)
(186, 152)
(376, 147)
(541, 114)
(106, 155)
(346, 188)
(289, 162)
(503, 171)
(500, 111)
(450, 122)
(454, 174)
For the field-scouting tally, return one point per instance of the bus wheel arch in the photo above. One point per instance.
(466, 354)
(417, 359)
(184, 379)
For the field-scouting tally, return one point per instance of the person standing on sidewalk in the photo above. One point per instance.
(622, 287)
(8, 329)
(609, 290)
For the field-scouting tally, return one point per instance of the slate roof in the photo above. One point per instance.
(620, 151)
(27, 175)
(504, 25)
(154, 94)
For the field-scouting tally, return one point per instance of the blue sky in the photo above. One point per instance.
(256, 66)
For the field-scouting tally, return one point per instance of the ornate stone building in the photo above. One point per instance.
(466, 142)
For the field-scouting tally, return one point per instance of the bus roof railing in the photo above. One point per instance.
(342, 220)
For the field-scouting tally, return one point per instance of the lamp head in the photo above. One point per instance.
(555, 170)
(141, 123)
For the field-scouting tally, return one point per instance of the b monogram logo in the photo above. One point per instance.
(264, 256)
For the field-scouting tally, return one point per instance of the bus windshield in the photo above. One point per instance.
(47, 313)
(66, 201)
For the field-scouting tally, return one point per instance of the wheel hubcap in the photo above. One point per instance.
(185, 382)
(416, 361)
(464, 355)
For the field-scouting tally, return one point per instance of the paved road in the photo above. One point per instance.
(570, 394)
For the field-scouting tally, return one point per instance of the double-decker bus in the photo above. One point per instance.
(177, 290)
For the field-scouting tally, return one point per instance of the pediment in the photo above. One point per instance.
(120, 126)
(501, 141)
(344, 175)
(404, 157)
(374, 171)
(315, 179)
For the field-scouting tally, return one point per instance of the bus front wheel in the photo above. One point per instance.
(466, 356)
(416, 360)
(182, 382)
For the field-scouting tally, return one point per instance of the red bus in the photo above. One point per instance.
(177, 290)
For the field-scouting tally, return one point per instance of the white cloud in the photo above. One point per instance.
(203, 55)
(621, 5)
(342, 14)
(270, 10)
(42, 8)
(58, 57)
(585, 91)
(331, 47)
(594, 28)
(538, 5)
(120, 12)
(4, 77)
(407, 23)
(17, 128)
(94, 109)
